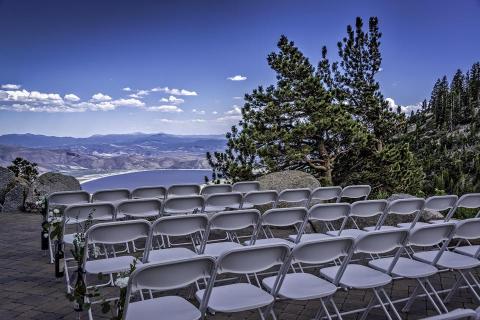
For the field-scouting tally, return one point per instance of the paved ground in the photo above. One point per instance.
(28, 289)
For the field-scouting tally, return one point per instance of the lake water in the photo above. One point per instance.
(147, 178)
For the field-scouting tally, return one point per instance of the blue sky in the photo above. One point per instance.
(88, 67)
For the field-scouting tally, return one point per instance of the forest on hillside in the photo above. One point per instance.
(331, 119)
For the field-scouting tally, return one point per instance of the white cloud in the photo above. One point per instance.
(10, 86)
(229, 118)
(214, 112)
(198, 120)
(128, 103)
(127, 89)
(405, 109)
(201, 112)
(237, 78)
(41, 108)
(71, 97)
(165, 108)
(173, 99)
(236, 110)
(140, 94)
(175, 92)
(101, 97)
(238, 98)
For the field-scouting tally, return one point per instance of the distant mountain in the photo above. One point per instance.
(105, 153)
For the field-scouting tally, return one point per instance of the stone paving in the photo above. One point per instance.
(28, 289)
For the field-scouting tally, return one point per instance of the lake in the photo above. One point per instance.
(161, 177)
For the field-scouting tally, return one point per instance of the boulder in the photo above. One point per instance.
(48, 183)
(7, 177)
(290, 179)
(14, 199)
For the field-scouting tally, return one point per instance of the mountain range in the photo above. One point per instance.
(107, 153)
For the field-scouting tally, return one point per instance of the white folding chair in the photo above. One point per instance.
(259, 198)
(356, 276)
(467, 201)
(325, 213)
(355, 192)
(405, 267)
(246, 186)
(457, 314)
(325, 194)
(280, 218)
(222, 201)
(157, 192)
(183, 190)
(401, 207)
(66, 198)
(167, 276)
(462, 264)
(300, 197)
(229, 222)
(306, 286)
(361, 210)
(191, 226)
(237, 297)
(183, 205)
(139, 208)
(111, 195)
(216, 188)
(434, 203)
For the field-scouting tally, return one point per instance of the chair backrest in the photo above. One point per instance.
(68, 197)
(111, 195)
(294, 196)
(216, 188)
(468, 229)
(360, 191)
(380, 241)
(457, 314)
(368, 208)
(158, 192)
(322, 250)
(283, 217)
(326, 193)
(252, 259)
(170, 275)
(234, 220)
(246, 186)
(261, 197)
(430, 235)
(118, 232)
(440, 203)
(468, 201)
(329, 211)
(186, 204)
(181, 190)
(403, 207)
(230, 199)
(180, 225)
(97, 211)
(152, 207)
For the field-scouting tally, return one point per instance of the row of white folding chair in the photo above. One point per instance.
(432, 234)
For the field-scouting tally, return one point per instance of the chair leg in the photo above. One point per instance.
(367, 310)
(472, 289)
(326, 310)
(382, 304)
(453, 290)
(319, 313)
(332, 302)
(429, 297)
(440, 301)
(392, 306)
(411, 300)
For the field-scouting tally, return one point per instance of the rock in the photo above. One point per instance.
(14, 199)
(7, 177)
(48, 183)
(290, 179)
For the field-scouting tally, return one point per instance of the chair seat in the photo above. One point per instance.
(372, 228)
(271, 241)
(468, 250)
(302, 286)
(110, 265)
(348, 232)
(217, 248)
(409, 224)
(236, 297)
(357, 276)
(309, 237)
(170, 254)
(406, 268)
(167, 308)
(72, 220)
(249, 205)
(212, 209)
(448, 260)
(170, 212)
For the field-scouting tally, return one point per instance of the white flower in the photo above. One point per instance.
(96, 251)
(50, 213)
(57, 220)
(45, 235)
(121, 282)
(56, 211)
